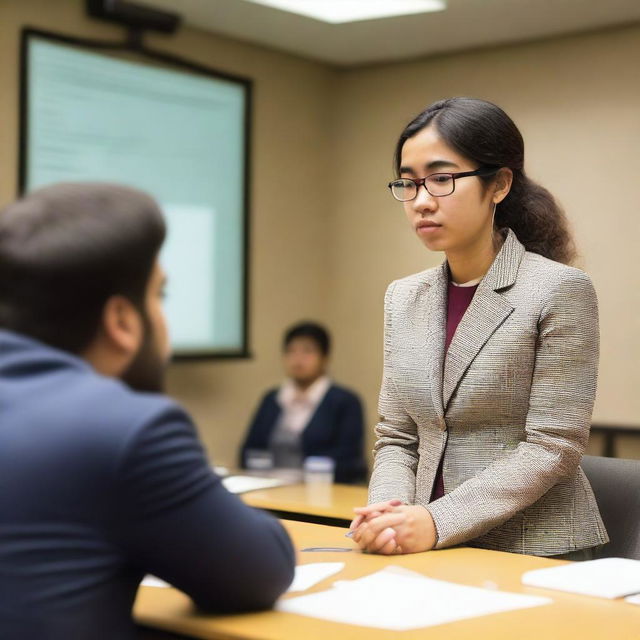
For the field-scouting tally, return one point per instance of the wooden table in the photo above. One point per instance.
(329, 505)
(569, 617)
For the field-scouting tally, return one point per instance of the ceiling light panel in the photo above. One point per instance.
(341, 11)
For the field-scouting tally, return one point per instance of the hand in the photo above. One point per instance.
(400, 529)
(372, 511)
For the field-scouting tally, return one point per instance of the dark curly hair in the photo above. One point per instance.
(484, 133)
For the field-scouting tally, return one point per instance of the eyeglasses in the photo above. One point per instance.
(437, 184)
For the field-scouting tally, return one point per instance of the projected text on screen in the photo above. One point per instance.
(177, 135)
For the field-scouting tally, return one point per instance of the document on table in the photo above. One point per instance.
(633, 599)
(220, 471)
(152, 581)
(398, 599)
(308, 575)
(242, 484)
(606, 578)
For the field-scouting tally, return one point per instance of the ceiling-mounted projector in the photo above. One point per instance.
(133, 15)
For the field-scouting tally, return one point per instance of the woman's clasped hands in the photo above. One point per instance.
(392, 527)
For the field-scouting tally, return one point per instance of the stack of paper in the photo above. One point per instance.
(308, 575)
(242, 484)
(220, 471)
(152, 581)
(398, 599)
(606, 578)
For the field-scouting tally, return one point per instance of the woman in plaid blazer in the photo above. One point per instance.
(484, 408)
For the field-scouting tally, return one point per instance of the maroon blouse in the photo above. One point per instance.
(458, 301)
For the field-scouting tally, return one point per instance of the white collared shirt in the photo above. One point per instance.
(299, 406)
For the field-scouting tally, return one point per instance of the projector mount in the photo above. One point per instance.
(134, 16)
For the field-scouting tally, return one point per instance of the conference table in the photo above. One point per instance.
(322, 504)
(568, 617)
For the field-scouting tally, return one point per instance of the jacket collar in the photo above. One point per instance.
(21, 355)
(501, 274)
(487, 311)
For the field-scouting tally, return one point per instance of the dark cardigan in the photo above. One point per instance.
(335, 430)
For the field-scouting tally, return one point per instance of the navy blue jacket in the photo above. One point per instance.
(335, 430)
(100, 485)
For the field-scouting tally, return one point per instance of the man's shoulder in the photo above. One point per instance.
(81, 435)
(94, 414)
(342, 394)
(119, 407)
(270, 396)
(60, 390)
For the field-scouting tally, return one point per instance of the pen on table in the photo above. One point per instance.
(354, 525)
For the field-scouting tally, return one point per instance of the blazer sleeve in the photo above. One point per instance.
(176, 520)
(557, 425)
(396, 448)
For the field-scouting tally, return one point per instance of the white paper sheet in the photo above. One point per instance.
(220, 471)
(242, 484)
(308, 575)
(152, 581)
(398, 599)
(605, 578)
(633, 599)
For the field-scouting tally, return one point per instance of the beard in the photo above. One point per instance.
(147, 370)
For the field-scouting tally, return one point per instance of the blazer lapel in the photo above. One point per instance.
(487, 311)
(436, 319)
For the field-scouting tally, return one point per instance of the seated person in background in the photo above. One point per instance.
(103, 478)
(309, 415)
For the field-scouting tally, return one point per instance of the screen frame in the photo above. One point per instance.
(134, 45)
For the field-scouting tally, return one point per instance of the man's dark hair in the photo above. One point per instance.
(310, 330)
(65, 249)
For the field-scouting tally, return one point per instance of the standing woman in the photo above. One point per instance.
(490, 360)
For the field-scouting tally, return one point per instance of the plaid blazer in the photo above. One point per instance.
(511, 400)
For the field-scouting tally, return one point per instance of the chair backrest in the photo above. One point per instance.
(616, 485)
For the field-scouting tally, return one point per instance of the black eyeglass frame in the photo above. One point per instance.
(481, 171)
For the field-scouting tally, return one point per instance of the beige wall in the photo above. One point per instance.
(328, 250)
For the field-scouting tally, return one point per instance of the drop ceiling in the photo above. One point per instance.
(465, 24)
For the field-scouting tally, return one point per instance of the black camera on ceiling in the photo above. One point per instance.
(133, 15)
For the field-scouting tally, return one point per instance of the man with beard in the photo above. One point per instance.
(103, 478)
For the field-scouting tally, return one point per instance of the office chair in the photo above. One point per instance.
(616, 485)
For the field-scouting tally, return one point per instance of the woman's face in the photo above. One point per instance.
(450, 223)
